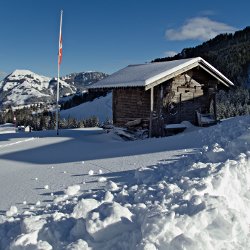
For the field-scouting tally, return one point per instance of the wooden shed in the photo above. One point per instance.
(163, 93)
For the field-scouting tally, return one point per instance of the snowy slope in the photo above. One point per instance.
(100, 107)
(90, 190)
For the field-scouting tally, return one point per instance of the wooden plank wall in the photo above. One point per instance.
(130, 104)
(186, 95)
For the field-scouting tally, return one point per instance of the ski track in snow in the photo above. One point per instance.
(90, 190)
(17, 142)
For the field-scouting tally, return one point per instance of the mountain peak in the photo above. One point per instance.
(24, 73)
(21, 72)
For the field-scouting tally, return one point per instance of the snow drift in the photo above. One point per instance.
(199, 201)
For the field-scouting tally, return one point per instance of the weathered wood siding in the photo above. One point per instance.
(130, 104)
(178, 99)
(188, 96)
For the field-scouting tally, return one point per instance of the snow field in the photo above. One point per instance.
(196, 201)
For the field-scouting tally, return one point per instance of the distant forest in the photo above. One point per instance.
(229, 53)
(41, 117)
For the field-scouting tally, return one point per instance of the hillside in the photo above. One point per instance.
(88, 189)
(23, 87)
(101, 108)
(229, 53)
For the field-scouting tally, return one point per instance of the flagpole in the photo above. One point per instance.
(57, 101)
(58, 74)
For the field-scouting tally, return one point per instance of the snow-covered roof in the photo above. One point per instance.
(143, 75)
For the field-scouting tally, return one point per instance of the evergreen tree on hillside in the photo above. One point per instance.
(229, 53)
(232, 103)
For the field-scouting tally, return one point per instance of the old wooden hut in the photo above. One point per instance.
(154, 95)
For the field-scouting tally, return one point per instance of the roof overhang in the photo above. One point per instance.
(169, 75)
(196, 62)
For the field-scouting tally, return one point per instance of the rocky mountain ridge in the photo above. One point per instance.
(23, 87)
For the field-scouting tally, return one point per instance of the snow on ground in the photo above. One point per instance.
(188, 191)
(7, 128)
(102, 109)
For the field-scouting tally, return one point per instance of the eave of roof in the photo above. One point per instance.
(158, 79)
(211, 69)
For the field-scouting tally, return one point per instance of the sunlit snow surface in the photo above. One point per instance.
(189, 191)
(102, 109)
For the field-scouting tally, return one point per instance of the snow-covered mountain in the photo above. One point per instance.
(81, 80)
(23, 87)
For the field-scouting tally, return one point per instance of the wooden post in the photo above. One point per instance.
(161, 119)
(179, 109)
(151, 111)
(114, 94)
(215, 103)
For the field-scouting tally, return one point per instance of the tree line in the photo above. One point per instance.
(229, 53)
(40, 118)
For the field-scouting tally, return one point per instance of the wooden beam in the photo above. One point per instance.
(170, 76)
(114, 106)
(151, 111)
(216, 77)
(180, 118)
(215, 103)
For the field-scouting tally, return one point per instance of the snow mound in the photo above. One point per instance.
(72, 190)
(79, 245)
(108, 221)
(83, 207)
(12, 211)
(200, 206)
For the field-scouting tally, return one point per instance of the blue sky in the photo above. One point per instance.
(106, 35)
